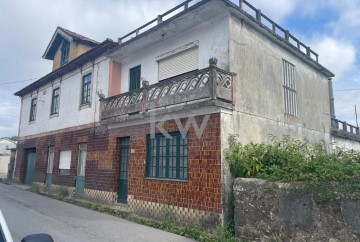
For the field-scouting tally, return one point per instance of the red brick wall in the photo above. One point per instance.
(101, 179)
(202, 191)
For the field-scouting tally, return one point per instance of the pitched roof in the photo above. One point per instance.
(79, 36)
(7, 140)
(72, 65)
(59, 35)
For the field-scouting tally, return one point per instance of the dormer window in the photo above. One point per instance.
(65, 48)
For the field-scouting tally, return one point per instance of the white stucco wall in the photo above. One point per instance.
(259, 111)
(213, 42)
(70, 113)
(4, 163)
(343, 143)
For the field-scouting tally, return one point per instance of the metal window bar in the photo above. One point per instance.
(289, 85)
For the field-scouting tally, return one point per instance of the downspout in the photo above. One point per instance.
(13, 175)
(332, 111)
(332, 100)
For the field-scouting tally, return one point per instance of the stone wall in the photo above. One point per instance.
(276, 210)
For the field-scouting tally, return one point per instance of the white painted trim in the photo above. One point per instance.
(177, 50)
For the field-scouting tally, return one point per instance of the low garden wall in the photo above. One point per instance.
(286, 212)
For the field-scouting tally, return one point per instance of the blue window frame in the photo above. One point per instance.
(55, 101)
(135, 78)
(33, 110)
(65, 50)
(167, 158)
(86, 89)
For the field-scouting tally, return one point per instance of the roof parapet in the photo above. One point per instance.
(246, 8)
(270, 25)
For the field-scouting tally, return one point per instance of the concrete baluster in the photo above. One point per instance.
(213, 77)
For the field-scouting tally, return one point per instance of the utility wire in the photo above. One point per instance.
(347, 90)
(8, 115)
(7, 83)
(9, 103)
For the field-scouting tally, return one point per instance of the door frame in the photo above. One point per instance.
(122, 196)
(29, 180)
(49, 174)
(80, 179)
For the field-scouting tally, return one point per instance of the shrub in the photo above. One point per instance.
(293, 160)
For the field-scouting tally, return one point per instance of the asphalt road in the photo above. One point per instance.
(27, 213)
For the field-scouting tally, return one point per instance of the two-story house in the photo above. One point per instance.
(144, 122)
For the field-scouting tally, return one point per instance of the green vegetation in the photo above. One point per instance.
(63, 192)
(328, 176)
(35, 188)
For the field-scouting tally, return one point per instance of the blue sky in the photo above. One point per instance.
(329, 27)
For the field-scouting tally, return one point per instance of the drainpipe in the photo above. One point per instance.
(17, 142)
(331, 95)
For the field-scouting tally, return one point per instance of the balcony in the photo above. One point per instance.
(211, 86)
(344, 130)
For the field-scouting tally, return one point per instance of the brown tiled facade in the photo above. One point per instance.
(197, 199)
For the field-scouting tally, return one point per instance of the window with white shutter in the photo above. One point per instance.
(65, 162)
(179, 63)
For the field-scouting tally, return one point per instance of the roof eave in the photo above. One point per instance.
(80, 60)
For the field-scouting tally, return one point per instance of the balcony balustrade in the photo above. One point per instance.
(209, 84)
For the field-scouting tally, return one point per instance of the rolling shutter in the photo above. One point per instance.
(65, 160)
(179, 63)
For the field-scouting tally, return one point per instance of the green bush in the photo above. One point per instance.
(335, 174)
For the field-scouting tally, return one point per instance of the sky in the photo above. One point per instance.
(330, 27)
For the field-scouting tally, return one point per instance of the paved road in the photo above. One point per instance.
(27, 213)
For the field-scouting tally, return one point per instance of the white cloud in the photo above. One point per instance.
(27, 27)
(339, 56)
(348, 22)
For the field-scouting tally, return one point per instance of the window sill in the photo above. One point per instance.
(54, 115)
(83, 106)
(166, 179)
(32, 122)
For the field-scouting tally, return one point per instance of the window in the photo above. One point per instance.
(65, 49)
(86, 89)
(55, 101)
(167, 158)
(82, 159)
(290, 96)
(135, 77)
(33, 109)
(65, 162)
(179, 63)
